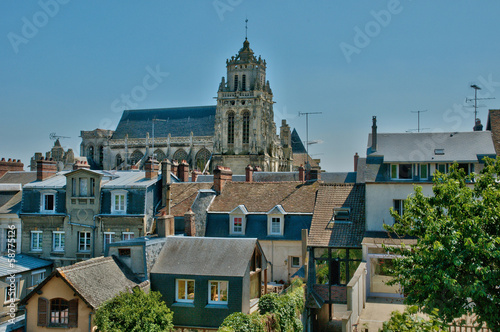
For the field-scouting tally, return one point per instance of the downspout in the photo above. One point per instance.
(90, 321)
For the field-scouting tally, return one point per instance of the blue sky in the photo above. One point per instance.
(64, 65)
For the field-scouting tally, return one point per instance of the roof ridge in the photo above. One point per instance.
(86, 263)
(168, 108)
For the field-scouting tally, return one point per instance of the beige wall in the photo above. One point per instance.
(279, 253)
(56, 287)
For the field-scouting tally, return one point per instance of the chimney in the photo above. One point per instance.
(80, 164)
(12, 165)
(183, 171)
(165, 224)
(374, 133)
(302, 173)
(151, 168)
(45, 169)
(478, 126)
(175, 166)
(222, 175)
(257, 169)
(356, 158)
(166, 168)
(194, 175)
(189, 223)
(249, 174)
(314, 175)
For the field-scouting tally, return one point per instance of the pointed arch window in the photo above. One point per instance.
(246, 127)
(243, 83)
(101, 154)
(235, 82)
(230, 128)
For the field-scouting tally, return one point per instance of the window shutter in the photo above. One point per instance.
(73, 313)
(43, 309)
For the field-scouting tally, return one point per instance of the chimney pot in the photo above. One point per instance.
(249, 174)
(151, 168)
(356, 158)
(45, 169)
(301, 173)
(222, 175)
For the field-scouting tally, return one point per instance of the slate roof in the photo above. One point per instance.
(18, 177)
(10, 201)
(295, 197)
(297, 145)
(205, 256)
(22, 264)
(340, 234)
(10, 198)
(95, 280)
(184, 195)
(419, 147)
(180, 121)
(494, 126)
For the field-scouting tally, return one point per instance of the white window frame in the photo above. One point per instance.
(341, 210)
(398, 177)
(107, 234)
(39, 237)
(7, 289)
(280, 218)
(130, 236)
(37, 273)
(291, 261)
(114, 194)
(185, 300)
(61, 235)
(420, 171)
(42, 201)
(85, 238)
(218, 282)
(239, 212)
(234, 229)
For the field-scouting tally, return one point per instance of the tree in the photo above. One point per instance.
(134, 312)
(410, 322)
(455, 265)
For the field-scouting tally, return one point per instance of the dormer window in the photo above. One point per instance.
(119, 201)
(341, 214)
(402, 171)
(48, 202)
(276, 221)
(237, 220)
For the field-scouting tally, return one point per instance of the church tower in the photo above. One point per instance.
(244, 120)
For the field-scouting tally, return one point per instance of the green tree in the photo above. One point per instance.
(409, 321)
(455, 265)
(134, 312)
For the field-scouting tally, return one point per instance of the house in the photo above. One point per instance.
(19, 274)
(334, 254)
(11, 182)
(73, 216)
(69, 297)
(203, 280)
(394, 163)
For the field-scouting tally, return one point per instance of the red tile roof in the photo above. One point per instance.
(183, 196)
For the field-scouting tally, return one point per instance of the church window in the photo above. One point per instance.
(243, 82)
(230, 128)
(136, 157)
(235, 82)
(246, 127)
(101, 154)
(202, 158)
(90, 154)
(180, 155)
(119, 161)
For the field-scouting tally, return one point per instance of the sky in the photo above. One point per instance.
(66, 65)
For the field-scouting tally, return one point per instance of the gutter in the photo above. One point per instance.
(90, 321)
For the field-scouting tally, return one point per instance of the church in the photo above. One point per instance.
(238, 131)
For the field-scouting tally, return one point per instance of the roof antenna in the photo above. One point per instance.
(246, 28)
(467, 100)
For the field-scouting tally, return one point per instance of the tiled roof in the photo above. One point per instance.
(22, 263)
(341, 233)
(179, 121)
(18, 177)
(263, 196)
(494, 126)
(183, 196)
(205, 256)
(10, 200)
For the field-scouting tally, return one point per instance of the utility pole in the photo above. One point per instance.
(153, 148)
(307, 130)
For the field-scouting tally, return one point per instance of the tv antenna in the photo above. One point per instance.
(467, 100)
(307, 130)
(418, 117)
(53, 136)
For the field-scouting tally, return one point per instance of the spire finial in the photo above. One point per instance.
(246, 28)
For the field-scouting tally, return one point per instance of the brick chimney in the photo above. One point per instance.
(302, 173)
(222, 175)
(249, 174)
(175, 166)
(356, 158)
(165, 224)
(189, 223)
(11, 165)
(194, 175)
(45, 169)
(80, 164)
(374, 133)
(151, 168)
(166, 180)
(183, 171)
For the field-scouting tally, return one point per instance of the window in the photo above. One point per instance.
(218, 292)
(341, 214)
(10, 234)
(90, 154)
(108, 238)
(124, 252)
(184, 290)
(83, 187)
(246, 127)
(48, 202)
(243, 83)
(127, 236)
(399, 206)
(101, 154)
(230, 128)
(59, 312)
(92, 187)
(235, 82)
(401, 171)
(238, 225)
(36, 240)
(37, 277)
(442, 168)
(73, 187)
(424, 171)
(58, 241)
(275, 226)
(119, 202)
(295, 262)
(466, 167)
(83, 241)
(12, 291)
